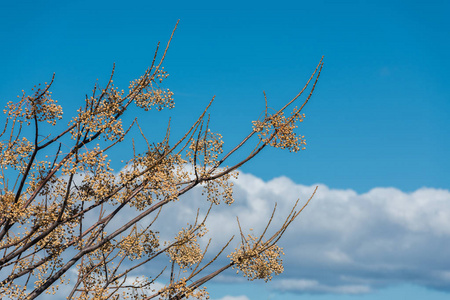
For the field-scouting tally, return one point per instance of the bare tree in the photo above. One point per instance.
(49, 196)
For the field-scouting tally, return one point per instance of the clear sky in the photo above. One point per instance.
(377, 127)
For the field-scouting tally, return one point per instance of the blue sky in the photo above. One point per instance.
(379, 117)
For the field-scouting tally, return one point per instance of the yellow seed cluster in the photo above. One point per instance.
(278, 131)
(186, 250)
(257, 260)
(208, 149)
(137, 244)
(182, 289)
(220, 189)
(150, 94)
(100, 115)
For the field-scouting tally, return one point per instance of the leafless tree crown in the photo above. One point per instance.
(53, 183)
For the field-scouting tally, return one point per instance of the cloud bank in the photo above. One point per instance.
(344, 242)
(234, 298)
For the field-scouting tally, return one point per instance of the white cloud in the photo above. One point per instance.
(301, 285)
(234, 298)
(346, 242)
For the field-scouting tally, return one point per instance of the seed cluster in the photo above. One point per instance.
(278, 131)
(257, 260)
